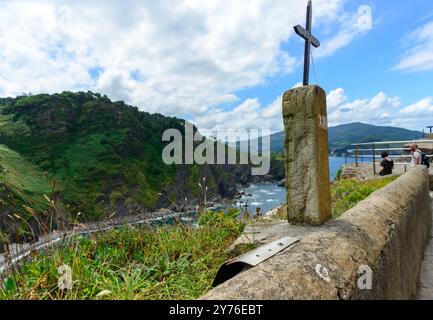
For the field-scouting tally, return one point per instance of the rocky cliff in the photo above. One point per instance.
(97, 157)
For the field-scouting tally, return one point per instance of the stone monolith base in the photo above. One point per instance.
(306, 155)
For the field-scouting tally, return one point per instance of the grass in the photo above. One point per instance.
(279, 156)
(346, 193)
(25, 182)
(170, 262)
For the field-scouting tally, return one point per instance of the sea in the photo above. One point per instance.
(267, 196)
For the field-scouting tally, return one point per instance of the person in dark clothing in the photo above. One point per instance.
(258, 212)
(386, 165)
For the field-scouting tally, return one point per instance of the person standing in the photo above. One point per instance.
(258, 212)
(416, 155)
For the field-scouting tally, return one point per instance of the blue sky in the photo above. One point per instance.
(225, 64)
(365, 67)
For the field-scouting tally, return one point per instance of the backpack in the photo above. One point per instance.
(424, 159)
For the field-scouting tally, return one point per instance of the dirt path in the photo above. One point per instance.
(425, 291)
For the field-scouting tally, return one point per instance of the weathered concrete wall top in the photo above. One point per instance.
(387, 232)
(431, 178)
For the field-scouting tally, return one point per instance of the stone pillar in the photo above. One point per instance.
(306, 155)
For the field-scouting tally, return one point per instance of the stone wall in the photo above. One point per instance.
(431, 177)
(388, 232)
(364, 171)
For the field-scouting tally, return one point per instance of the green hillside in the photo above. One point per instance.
(102, 157)
(97, 151)
(341, 137)
(21, 182)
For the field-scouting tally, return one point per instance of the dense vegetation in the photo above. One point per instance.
(93, 156)
(171, 262)
(341, 137)
(346, 193)
(99, 152)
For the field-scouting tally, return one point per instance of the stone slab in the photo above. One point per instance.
(306, 155)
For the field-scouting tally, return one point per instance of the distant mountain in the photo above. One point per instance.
(342, 136)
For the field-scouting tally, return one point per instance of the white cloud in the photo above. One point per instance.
(419, 56)
(297, 85)
(379, 110)
(335, 99)
(351, 26)
(173, 57)
(248, 115)
(420, 109)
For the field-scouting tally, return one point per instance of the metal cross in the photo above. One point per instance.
(309, 40)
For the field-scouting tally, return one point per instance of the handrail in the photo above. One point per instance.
(391, 156)
(390, 142)
(380, 149)
(369, 151)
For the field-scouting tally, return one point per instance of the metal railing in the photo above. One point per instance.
(395, 149)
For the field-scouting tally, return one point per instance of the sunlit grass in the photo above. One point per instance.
(25, 182)
(170, 262)
(346, 193)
